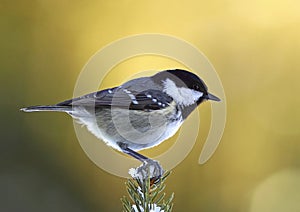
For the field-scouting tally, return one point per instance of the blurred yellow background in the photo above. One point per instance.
(255, 48)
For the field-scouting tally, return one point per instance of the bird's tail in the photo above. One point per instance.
(67, 109)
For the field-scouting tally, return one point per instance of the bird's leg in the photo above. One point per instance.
(149, 169)
(134, 154)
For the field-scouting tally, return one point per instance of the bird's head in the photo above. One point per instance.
(184, 87)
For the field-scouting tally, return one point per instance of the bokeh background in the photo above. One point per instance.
(255, 48)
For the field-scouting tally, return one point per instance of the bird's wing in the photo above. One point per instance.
(123, 98)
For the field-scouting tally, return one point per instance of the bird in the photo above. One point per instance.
(140, 113)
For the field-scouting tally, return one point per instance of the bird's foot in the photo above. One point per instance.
(150, 169)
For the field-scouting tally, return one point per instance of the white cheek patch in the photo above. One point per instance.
(183, 96)
(190, 96)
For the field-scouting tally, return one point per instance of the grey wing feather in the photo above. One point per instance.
(100, 98)
(134, 95)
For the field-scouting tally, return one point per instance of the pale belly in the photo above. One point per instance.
(132, 127)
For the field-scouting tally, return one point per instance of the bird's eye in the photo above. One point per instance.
(196, 87)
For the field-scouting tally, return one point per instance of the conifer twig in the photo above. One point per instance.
(146, 191)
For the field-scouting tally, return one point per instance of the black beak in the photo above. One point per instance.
(212, 97)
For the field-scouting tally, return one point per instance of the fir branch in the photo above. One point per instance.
(147, 194)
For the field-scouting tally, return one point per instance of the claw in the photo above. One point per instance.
(150, 169)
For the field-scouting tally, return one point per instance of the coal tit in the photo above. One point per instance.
(140, 113)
